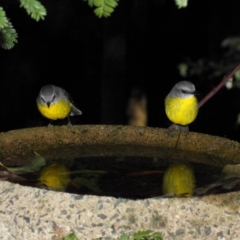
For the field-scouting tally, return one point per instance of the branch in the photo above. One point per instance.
(219, 86)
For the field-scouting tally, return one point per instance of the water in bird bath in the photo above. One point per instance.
(126, 177)
(119, 160)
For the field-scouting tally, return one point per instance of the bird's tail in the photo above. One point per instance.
(75, 111)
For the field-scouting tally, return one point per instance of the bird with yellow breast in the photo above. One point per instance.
(55, 103)
(181, 105)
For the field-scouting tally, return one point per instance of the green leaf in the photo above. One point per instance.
(98, 3)
(237, 75)
(124, 237)
(232, 42)
(3, 18)
(141, 235)
(8, 36)
(111, 3)
(229, 83)
(181, 3)
(147, 235)
(90, 183)
(157, 236)
(34, 8)
(183, 69)
(90, 3)
(33, 166)
(70, 236)
(104, 8)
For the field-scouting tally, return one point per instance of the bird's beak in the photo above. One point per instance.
(48, 104)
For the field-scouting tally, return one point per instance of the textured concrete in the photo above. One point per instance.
(31, 213)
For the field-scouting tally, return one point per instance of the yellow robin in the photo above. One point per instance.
(55, 103)
(181, 105)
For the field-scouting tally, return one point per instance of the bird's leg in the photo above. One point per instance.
(50, 124)
(179, 127)
(69, 122)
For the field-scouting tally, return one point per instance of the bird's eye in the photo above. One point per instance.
(53, 97)
(42, 99)
(185, 92)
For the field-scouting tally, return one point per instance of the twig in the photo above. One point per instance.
(219, 86)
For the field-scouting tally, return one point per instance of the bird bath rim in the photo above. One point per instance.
(68, 142)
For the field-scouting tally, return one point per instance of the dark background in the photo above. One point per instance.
(99, 61)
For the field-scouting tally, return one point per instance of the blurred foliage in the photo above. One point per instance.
(8, 34)
(140, 235)
(61, 235)
(3, 19)
(228, 180)
(35, 9)
(33, 166)
(104, 8)
(216, 67)
(70, 236)
(181, 3)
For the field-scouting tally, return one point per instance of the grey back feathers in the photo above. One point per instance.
(183, 89)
